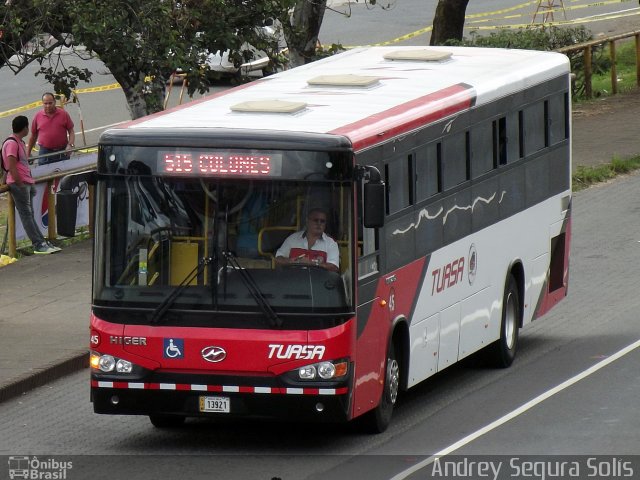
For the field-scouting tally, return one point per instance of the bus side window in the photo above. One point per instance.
(399, 181)
(427, 175)
(482, 148)
(500, 141)
(367, 242)
(454, 160)
(534, 128)
(557, 113)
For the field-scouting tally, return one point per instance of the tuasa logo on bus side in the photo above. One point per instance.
(447, 276)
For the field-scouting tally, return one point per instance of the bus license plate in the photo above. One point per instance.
(214, 404)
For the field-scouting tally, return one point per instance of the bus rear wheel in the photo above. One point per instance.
(378, 419)
(503, 351)
(166, 421)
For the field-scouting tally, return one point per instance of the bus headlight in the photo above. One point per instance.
(109, 363)
(331, 370)
(307, 373)
(124, 366)
(326, 370)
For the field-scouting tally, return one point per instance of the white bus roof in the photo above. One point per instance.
(368, 94)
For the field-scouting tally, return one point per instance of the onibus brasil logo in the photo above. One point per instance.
(40, 469)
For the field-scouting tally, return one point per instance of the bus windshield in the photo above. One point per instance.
(204, 249)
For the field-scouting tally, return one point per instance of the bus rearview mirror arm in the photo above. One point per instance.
(71, 182)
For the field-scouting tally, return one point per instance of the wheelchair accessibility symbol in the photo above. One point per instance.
(173, 347)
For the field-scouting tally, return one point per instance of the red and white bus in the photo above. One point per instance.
(446, 175)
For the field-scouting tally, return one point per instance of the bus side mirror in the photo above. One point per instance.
(67, 201)
(374, 204)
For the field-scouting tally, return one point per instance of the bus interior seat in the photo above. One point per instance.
(270, 239)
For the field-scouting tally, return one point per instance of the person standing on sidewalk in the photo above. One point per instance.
(22, 185)
(52, 129)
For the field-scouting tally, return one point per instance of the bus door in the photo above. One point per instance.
(373, 320)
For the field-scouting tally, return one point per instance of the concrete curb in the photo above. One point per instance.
(49, 373)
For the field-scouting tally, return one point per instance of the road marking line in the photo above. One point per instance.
(103, 127)
(518, 411)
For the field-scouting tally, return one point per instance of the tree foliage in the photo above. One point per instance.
(141, 42)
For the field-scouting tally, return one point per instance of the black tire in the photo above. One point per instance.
(503, 351)
(378, 419)
(167, 421)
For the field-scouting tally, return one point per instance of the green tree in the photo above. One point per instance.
(141, 42)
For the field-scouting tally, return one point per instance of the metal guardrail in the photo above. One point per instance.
(49, 180)
(587, 49)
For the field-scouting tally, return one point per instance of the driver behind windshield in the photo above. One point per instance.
(311, 246)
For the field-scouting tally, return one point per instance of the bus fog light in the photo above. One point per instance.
(326, 370)
(94, 360)
(107, 363)
(319, 407)
(307, 373)
(123, 366)
(115, 400)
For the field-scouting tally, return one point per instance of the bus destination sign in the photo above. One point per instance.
(223, 164)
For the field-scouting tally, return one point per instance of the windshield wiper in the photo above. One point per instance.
(254, 290)
(166, 304)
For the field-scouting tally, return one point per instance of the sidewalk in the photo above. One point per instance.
(44, 318)
(606, 128)
(45, 300)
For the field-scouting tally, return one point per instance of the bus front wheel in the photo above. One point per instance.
(378, 419)
(503, 351)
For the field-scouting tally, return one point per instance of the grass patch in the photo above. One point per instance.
(584, 177)
(625, 70)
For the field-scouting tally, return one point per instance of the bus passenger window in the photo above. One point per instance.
(558, 124)
(426, 171)
(454, 160)
(500, 140)
(481, 149)
(534, 128)
(398, 178)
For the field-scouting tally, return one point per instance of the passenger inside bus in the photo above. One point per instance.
(311, 246)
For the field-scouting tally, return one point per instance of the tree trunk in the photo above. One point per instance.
(133, 94)
(302, 32)
(448, 23)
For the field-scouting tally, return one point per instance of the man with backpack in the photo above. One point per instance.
(22, 185)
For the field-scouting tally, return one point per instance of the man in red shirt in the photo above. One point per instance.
(52, 128)
(21, 184)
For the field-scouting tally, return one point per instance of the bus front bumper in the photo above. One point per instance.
(305, 404)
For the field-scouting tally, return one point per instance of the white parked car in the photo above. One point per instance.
(220, 62)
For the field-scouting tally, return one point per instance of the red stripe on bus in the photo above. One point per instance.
(408, 116)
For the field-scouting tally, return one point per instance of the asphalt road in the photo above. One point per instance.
(408, 21)
(571, 391)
